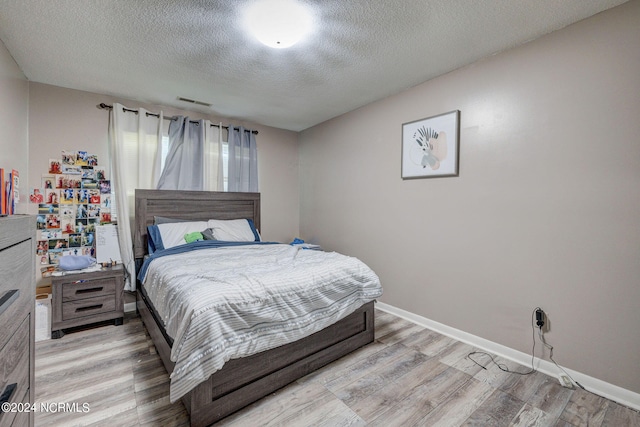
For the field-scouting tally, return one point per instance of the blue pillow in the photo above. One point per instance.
(75, 262)
(253, 228)
(154, 239)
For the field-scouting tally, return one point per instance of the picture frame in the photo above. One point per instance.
(431, 147)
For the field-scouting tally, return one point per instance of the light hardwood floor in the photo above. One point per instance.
(408, 376)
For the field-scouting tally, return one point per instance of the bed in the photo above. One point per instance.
(240, 381)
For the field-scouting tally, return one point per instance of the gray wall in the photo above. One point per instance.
(544, 213)
(14, 122)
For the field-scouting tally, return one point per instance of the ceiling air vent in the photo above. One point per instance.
(193, 101)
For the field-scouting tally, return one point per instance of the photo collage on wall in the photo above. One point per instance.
(74, 197)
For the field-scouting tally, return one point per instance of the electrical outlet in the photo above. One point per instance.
(540, 318)
(565, 381)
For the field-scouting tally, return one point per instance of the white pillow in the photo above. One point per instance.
(234, 230)
(173, 233)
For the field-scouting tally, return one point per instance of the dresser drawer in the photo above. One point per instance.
(22, 419)
(16, 280)
(83, 289)
(88, 307)
(14, 369)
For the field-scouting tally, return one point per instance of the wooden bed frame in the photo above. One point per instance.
(241, 381)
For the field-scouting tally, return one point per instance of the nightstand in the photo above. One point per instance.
(83, 298)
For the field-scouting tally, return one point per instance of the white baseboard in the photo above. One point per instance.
(617, 394)
(129, 307)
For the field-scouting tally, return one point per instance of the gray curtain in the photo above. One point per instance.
(184, 165)
(243, 160)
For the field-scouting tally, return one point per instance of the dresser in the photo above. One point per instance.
(17, 316)
(83, 298)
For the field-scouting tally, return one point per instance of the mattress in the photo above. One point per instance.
(222, 302)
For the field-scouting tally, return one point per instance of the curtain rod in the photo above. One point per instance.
(110, 107)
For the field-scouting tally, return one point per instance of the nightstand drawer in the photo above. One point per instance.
(88, 289)
(14, 370)
(88, 307)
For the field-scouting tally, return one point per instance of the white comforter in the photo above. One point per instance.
(224, 303)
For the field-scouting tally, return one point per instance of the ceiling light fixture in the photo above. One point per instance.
(278, 23)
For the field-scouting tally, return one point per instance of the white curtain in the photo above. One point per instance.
(135, 148)
(243, 160)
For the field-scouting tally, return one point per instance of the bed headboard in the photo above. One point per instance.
(191, 205)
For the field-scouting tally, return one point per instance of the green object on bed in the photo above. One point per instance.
(193, 237)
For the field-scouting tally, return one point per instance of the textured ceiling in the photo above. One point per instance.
(362, 50)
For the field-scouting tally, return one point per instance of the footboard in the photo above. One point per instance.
(243, 381)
